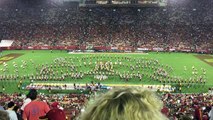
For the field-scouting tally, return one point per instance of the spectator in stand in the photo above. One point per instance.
(211, 114)
(55, 113)
(165, 111)
(26, 101)
(2, 106)
(18, 112)
(198, 113)
(11, 112)
(125, 104)
(4, 115)
(35, 108)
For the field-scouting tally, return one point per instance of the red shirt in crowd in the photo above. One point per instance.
(205, 117)
(198, 114)
(56, 114)
(165, 111)
(34, 110)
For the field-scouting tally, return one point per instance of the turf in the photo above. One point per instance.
(176, 60)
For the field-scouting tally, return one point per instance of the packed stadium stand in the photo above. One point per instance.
(180, 25)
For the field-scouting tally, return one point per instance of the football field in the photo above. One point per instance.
(193, 72)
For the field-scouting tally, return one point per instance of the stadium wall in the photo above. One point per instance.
(110, 48)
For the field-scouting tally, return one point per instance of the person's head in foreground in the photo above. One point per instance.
(125, 104)
(4, 115)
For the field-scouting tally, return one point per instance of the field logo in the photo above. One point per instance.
(206, 58)
(8, 57)
(209, 60)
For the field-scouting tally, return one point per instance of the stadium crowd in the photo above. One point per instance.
(176, 106)
(71, 104)
(177, 25)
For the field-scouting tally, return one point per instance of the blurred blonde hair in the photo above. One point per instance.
(125, 104)
(4, 115)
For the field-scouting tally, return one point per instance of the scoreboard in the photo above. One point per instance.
(126, 2)
(121, 1)
(102, 2)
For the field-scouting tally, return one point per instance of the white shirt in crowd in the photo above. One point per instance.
(12, 115)
(211, 114)
(26, 101)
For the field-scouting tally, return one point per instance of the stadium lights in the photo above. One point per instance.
(194, 9)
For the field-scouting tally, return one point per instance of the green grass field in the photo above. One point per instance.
(181, 64)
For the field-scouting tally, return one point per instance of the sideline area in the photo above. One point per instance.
(70, 86)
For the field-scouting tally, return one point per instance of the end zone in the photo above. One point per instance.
(9, 57)
(206, 58)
